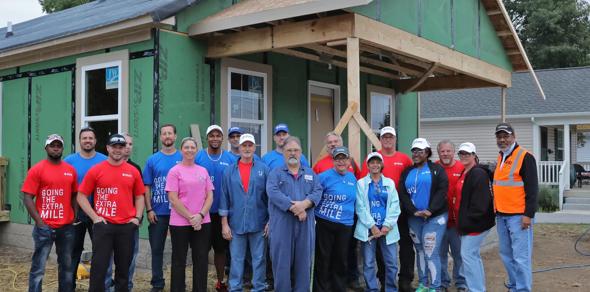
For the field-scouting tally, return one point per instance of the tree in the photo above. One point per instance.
(50, 6)
(554, 33)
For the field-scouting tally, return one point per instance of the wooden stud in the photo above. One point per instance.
(336, 43)
(353, 77)
(407, 60)
(346, 117)
(503, 105)
(504, 33)
(196, 133)
(423, 78)
(367, 130)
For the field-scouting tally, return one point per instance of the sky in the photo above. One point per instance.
(18, 11)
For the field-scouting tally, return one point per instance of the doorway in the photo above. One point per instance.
(324, 113)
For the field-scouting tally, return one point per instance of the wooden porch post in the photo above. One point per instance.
(354, 95)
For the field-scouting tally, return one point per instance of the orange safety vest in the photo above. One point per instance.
(509, 195)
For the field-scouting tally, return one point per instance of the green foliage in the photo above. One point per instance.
(554, 33)
(50, 6)
(548, 199)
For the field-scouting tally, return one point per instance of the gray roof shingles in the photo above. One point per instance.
(86, 17)
(567, 91)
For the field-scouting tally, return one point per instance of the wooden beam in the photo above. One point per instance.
(336, 43)
(196, 134)
(353, 77)
(348, 114)
(416, 63)
(494, 12)
(442, 83)
(4, 216)
(367, 130)
(371, 61)
(285, 35)
(390, 38)
(423, 78)
(504, 33)
(513, 52)
(336, 63)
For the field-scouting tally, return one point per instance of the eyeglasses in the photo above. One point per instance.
(418, 151)
(464, 153)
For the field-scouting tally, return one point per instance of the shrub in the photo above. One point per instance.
(548, 199)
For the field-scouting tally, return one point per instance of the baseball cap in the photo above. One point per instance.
(54, 137)
(234, 130)
(214, 128)
(420, 143)
(281, 127)
(387, 130)
(247, 138)
(467, 147)
(504, 127)
(340, 150)
(117, 139)
(373, 155)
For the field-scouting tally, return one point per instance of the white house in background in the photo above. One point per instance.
(540, 125)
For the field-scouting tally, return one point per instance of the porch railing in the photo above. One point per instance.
(549, 171)
(563, 180)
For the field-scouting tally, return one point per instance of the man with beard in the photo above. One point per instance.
(52, 183)
(293, 192)
(452, 238)
(82, 161)
(394, 163)
(233, 137)
(155, 171)
(216, 160)
(117, 213)
(274, 159)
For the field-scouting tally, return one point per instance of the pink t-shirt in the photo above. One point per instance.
(192, 184)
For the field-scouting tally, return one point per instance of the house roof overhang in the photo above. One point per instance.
(308, 29)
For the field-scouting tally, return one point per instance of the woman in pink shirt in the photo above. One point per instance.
(190, 193)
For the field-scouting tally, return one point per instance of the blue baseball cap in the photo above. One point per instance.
(281, 127)
(234, 130)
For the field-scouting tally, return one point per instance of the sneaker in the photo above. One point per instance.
(421, 288)
(269, 286)
(220, 286)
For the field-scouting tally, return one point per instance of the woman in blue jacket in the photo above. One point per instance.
(423, 193)
(377, 209)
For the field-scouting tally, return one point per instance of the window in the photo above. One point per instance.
(381, 108)
(245, 99)
(101, 100)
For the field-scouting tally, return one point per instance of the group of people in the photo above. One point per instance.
(279, 220)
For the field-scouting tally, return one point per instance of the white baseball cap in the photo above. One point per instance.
(374, 154)
(387, 130)
(247, 138)
(214, 128)
(420, 143)
(467, 147)
(54, 137)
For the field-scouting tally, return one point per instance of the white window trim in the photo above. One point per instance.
(112, 59)
(1, 128)
(385, 91)
(336, 109)
(228, 66)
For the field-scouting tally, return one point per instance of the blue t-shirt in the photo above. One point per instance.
(378, 202)
(418, 183)
(82, 165)
(215, 165)
(338, 198)
(154, 175)
(274, 159)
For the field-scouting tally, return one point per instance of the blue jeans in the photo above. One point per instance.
(427, 235)
(516, 251)
(157, 236)
(44, 238)
(109, 284)
(238, 245)
(475, 275)
(389, 252)
(451, 240)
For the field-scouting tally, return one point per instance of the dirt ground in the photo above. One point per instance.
(553, 247)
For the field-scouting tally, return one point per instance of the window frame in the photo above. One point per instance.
(229, 66)
(371, 89)
(118, 59)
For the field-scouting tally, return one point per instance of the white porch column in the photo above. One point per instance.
(536, 140)
(566, 154)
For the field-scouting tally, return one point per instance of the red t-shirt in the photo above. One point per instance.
(327, 163)
(114, 188)
(393, 167)
(245, 169)
(52, 185)
(454, 194)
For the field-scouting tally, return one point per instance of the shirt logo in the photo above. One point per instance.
(223, 163)
(126, 175)
(260, 173)
(398, 163)
(308, 177)
(68, 174)
(456, 174)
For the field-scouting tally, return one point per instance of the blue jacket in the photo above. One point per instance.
(363, 210)
(246, 212)
(283, 187)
